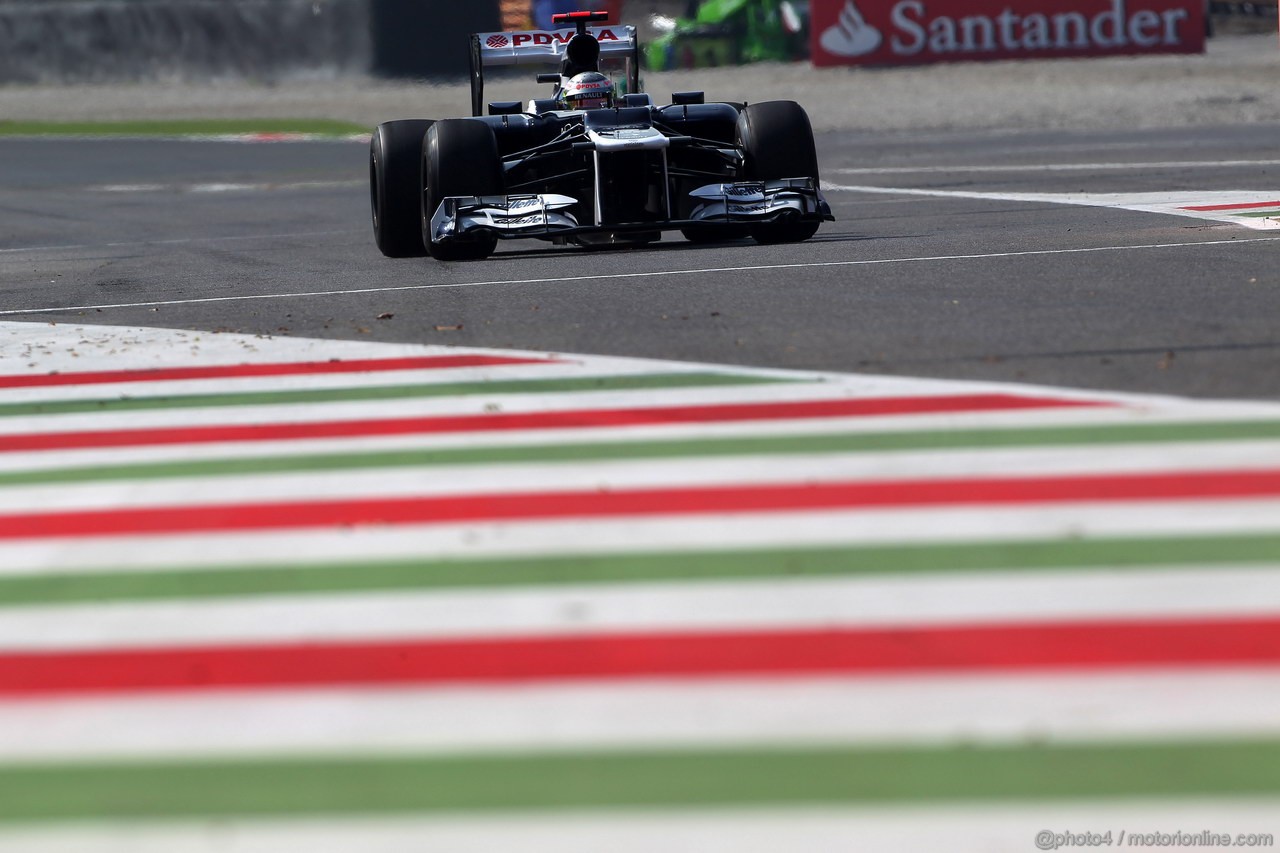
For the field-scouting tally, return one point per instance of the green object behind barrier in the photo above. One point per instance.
(727, 32)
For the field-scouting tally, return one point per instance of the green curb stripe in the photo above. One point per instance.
(638, 382)
(199, 127)
(1260, 214)
(797, 562)
(784, 444)
(836, 775)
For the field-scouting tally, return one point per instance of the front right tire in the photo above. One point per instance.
(459, 158)
(777, 142)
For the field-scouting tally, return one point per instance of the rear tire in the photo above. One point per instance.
(394, 173)
(459, 157)
(777, 141)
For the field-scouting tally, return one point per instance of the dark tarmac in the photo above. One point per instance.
(275, 239)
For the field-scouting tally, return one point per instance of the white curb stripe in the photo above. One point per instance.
(1011, 420)
(38, 348)
(470, 404)
(932, 710)
(956, 828)
(749, 605)
(315, 382)
(643, 535)
(584, 475)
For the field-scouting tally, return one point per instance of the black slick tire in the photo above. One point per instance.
(777, 142)
(459, 157)
(394, 188)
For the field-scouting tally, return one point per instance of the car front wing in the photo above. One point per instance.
(512, 217)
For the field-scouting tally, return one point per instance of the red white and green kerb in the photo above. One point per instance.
(273, 593)
(1267, 211)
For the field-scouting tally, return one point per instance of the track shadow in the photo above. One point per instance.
(668, 247)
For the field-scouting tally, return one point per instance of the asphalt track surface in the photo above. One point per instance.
(275, 239)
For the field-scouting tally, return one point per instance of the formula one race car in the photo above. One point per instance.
(590, 166)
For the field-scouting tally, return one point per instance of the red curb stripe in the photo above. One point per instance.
(1065, 645)
(1249, 206)
(699, 500)
(581, 419)
(357, 365)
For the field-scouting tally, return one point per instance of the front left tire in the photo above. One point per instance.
(395, 184)
(777, 142)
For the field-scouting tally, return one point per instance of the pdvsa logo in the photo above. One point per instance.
(543, 39)
(497, 41)
(851, 35)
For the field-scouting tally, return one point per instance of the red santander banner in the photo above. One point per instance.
(896, 32)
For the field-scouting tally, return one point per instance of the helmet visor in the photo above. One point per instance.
(590, 101)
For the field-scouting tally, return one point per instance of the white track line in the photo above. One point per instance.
(407, 482)
(1058, 167)
(740, 605)
(214, 188)
(1168, 203)
(177, 241)
(597, 277)
(746, 531)
(920, 710)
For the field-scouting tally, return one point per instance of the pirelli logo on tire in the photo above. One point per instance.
(873, 32)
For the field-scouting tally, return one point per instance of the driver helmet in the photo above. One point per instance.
(587, 91)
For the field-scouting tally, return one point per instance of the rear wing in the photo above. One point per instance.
(619, 51)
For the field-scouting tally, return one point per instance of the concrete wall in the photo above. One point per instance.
(428, 38)
(113, 40)
(92, 40)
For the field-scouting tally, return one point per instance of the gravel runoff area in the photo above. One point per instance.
(1234, 82)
